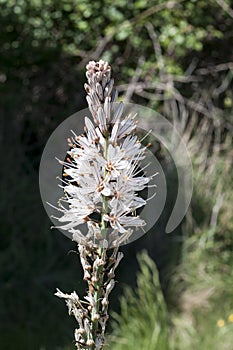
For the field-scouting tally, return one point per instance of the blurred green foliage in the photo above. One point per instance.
(75, 28)
(179, 54)
(142, 323)
(205, 320)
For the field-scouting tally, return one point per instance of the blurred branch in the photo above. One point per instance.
(154, 9)
(225, 7)
(157, 49)
(101, 45)
(215, 69)
(138, 88)
(98, 51)
(135, 78)
(216, 210)
(191, 67)
(223, 86)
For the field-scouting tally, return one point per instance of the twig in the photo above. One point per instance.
(215, 69)
(157, 49)
(216, 209)
(135, 78)
(225, 7)
(127, 23)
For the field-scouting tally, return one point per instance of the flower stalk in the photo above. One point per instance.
(101, 191)
(92, 313)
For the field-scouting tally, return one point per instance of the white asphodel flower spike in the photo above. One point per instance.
(101, 181)
(102, 167)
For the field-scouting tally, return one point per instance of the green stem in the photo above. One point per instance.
(98, 293)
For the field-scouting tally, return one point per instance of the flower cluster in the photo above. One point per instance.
(102, 178)
(103, 167)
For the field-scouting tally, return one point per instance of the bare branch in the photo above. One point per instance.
(126, 24)
(157, 49)
(156, 8)
(216, 210)
(135, 78)
(215, 69)
(225, 7)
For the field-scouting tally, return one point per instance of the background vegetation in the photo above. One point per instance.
(174, 56)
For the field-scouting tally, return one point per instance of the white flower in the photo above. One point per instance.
(115, 161)
(104, 174)
(125, 196)
(120, 220)
(126, 127)
(133, 148)
(91, 131)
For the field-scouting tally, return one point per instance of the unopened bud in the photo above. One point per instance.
(80, 330)
(105, 302)
(96, 317)
(90, 342)
(86, 275)
(94, 279)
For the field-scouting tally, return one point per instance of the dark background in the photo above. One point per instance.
(44, 47)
